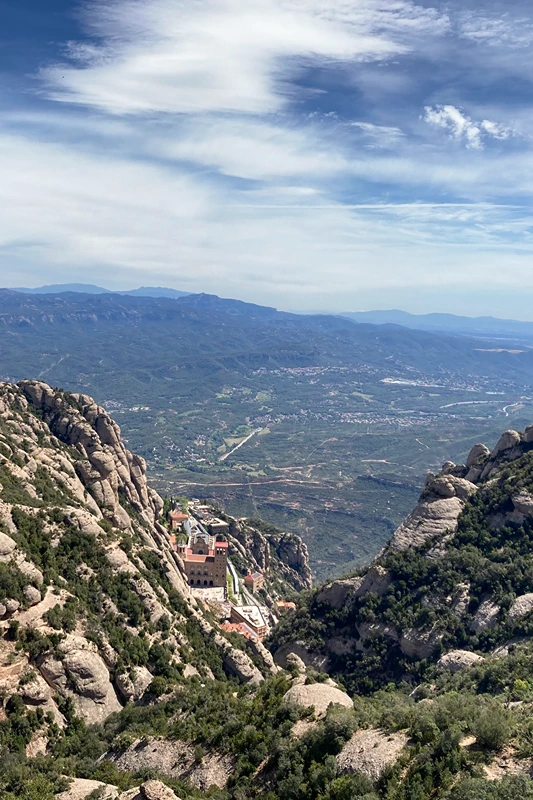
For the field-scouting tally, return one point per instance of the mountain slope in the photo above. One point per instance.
(456, 576)
(89, 581)
(94, 613)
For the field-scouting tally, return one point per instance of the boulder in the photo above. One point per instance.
(430, 518)
(318, 661)
(522, 605)
(507, 441)
(419, 644)
(318, 695)
(7, 545)
(523, 503)
(133, 686)
(11, 606)
(296, 663)
(32, 595)
(3, 610)
(371, 752)
(478, 455)
(486, 616)
(156, 790)
(528, 435)
(457, 660)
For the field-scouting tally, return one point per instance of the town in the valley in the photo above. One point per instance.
(199, 538)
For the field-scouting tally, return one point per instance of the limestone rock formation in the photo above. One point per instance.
(371, 752)
(521, 606)
(254, 545)
(376, 581)
(318, 695)
(486, 616)
(456, 660)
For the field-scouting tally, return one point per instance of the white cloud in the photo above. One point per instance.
(379, 136)
(496, 30)
(464, 128)
(253, 149)
(181, 56)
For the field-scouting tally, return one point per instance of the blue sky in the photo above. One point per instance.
(309, 154)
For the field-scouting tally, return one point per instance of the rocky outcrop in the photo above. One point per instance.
(336, 594)
(371, 752)
(133, 684)
(486, 616)
(257, 546)
(79, 672)
(420, 644)
(431, 517)
(521, 607)
(318, 661)
(456, 660)
(317, 695)
(176, 759)
(106, 469)
(523, 503)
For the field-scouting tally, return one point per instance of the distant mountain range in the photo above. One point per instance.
(89, 288)
(446, 323)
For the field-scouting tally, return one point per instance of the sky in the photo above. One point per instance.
(308, 154)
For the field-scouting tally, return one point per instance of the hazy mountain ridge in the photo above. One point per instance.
(486, 327)
(88, 288)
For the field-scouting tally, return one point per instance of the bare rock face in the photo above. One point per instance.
(431, 517)
(486, 616)
(507, 441)
(461, 599)
(133, 687)
(80, 788)
(337, 593)
(371, 752)
(456, 660)
(420, 644)
(478, 455)
(522, 605)
(318, 661)
(7, 545)
(523, 503)
(255, 546)
(106, 466)
(81, 673)
(318, 695)
(176, 759)
(156, 790)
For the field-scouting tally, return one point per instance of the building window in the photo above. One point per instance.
(210, 583)
(199, 582)
(205, 583)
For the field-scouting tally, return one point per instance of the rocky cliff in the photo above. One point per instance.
(94, 608)
(454, 582)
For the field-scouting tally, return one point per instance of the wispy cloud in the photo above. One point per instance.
(496, 29)
(379, 136)
(182, 56)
